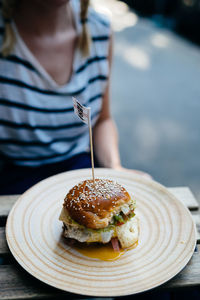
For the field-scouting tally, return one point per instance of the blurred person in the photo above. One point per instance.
(50, 51)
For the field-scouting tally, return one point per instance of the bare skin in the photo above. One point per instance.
(48, 29)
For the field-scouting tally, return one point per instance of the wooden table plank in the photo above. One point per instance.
(6, 203)
(16, 283)
(196, 218)
(4, 250)
(188, 277)
(185, 195)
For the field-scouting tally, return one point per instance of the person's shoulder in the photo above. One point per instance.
(99, 20)
(98, 17)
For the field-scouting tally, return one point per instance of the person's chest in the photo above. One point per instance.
(55, 54)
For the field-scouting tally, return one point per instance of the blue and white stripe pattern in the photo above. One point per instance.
(37, 121)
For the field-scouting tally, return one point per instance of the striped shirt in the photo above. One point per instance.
(37, 121)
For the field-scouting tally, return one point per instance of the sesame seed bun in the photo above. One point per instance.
(93, 206)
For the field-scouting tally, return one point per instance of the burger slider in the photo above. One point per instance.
(100, 213)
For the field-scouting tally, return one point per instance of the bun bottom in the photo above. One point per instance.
(127, 233)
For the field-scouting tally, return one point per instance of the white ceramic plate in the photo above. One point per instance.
(166, 243)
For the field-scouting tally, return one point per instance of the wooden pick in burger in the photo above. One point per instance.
(84, 113)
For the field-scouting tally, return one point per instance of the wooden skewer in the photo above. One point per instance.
(91, 149)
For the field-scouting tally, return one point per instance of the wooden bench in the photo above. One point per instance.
(16, 283)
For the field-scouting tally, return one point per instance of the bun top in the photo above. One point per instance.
(94, 205)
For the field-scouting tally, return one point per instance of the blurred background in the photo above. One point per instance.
(156, 87)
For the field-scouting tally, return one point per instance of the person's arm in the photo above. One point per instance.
(105, 132)
(106, 143)
(106, 136)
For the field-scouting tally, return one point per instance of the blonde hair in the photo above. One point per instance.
(8, 9)
(84, 39)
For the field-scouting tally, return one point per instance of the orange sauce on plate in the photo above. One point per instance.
(102, 252)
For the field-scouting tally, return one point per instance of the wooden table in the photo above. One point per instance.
(16, 283)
